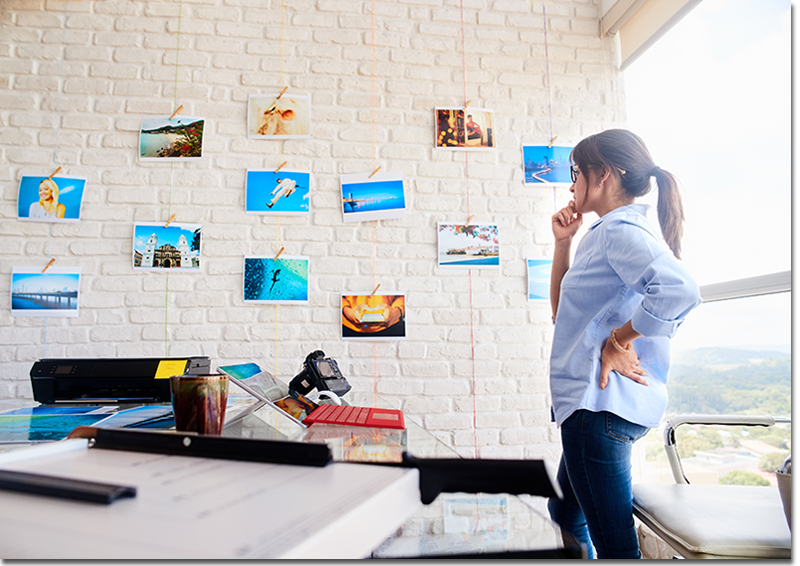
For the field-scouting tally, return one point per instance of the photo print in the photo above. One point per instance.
(171, 139)
(546, 165)
(539, 279)
(284, 118)
(465, 130)
(378, 198)
(373, 317)
(284, 192)
(299, 407)
(30, 425)
(166, 248)
(54, 293)
(372, 445)
(474, 245)
(50, 199)
(276, 281)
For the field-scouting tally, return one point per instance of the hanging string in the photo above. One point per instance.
(549, 100)
(373, 91)
(374, 222)
(464, 86)
(174, 104)
(177, 54)
(47, 254)
(61, 85)
(55, 144)
(280, 79)
(278, 222)
(275, 354)
(469, 275)
(171, 171)
(469, 271)
(283, 19)
(547, 69)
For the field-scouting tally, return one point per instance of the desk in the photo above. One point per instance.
(453, 523)
(201, 508)
(251, 510)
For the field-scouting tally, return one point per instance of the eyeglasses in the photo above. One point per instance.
(573, 173)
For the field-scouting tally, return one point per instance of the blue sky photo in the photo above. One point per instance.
(371, 196)
(261, 184)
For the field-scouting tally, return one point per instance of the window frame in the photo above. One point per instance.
(778, 282)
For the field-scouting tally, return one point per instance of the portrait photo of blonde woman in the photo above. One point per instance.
(46, 199)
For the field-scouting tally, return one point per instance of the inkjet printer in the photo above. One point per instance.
(110, 380)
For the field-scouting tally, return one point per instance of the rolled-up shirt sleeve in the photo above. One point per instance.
(650, 269)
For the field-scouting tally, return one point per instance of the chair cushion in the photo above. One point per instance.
(716, 521)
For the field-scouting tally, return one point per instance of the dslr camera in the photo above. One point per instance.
(319, 373)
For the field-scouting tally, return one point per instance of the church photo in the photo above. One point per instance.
(173, 247)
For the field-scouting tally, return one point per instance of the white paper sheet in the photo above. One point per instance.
(204, 508)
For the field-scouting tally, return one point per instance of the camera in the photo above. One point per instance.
(319, 373)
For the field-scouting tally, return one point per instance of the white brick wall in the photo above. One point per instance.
(77, 76)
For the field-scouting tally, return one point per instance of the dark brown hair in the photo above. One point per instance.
(625, 155)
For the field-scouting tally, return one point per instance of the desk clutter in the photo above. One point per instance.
(436, 475)
(222, 498)
(195, 507)
(299, 404)
(135, 393)
(104, 456)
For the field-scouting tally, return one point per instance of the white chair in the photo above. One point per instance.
(714, 521)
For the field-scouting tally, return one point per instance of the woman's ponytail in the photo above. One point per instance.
(670, 209)
(625, 154)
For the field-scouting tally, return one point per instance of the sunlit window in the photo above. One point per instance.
(712, 100)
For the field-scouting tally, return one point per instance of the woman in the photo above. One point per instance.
(47, 206)
(473, 129)
(615, 310)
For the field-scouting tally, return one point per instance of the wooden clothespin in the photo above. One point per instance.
(51, 262)
(171, 218)
(375, 290)
(176, 111)
(280, 251)
(552, 141)
(467, 104)
(281, 94)
(53, 173)
(376, 170)
(469, 220)
(280, 166)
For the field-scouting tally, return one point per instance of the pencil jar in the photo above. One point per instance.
(199, 402)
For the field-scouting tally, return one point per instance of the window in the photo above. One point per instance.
(712, 100)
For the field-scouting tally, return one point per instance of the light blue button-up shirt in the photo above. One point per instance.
(622, 271)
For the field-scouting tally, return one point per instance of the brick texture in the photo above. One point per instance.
(74, 85)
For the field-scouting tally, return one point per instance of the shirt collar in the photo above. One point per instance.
(641, 209)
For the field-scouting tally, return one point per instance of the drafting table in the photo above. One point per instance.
(200, 508)
(192, 508)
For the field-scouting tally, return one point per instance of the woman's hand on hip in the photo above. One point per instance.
(625, 363)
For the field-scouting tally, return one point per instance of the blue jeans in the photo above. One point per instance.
(595, 477)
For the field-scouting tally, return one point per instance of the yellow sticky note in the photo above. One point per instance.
(168, 368)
